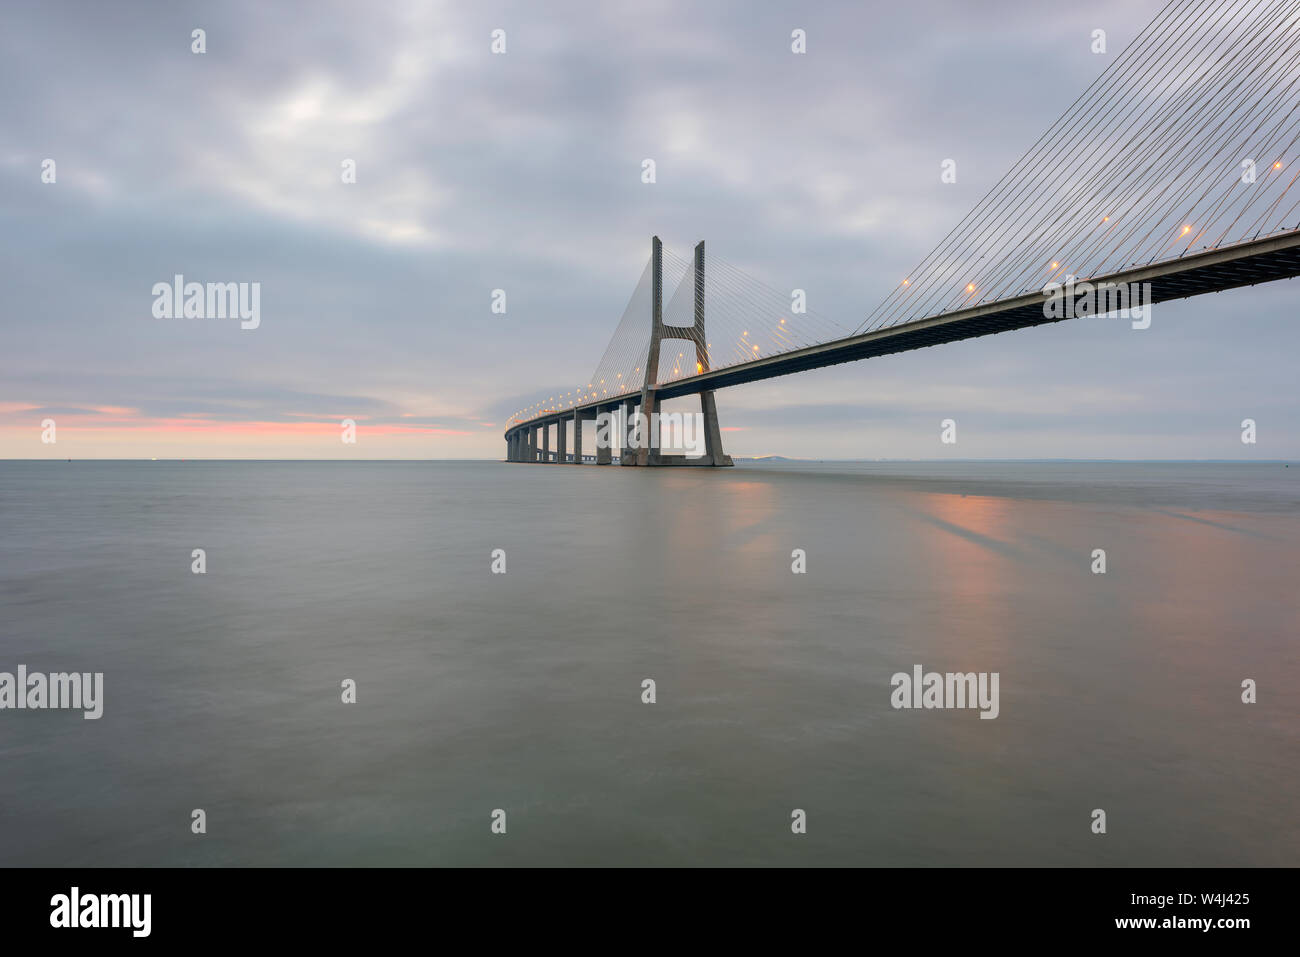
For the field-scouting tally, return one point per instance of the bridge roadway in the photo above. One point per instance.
(1228, 267)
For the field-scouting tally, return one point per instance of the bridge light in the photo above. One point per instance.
(1056, 265)
(1277, 165)
(755, 348)
(970, 287)
(907, 282)
(1105, 219)
(699, 367)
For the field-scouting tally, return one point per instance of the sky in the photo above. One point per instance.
(521, 171)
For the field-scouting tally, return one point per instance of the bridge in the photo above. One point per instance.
(1168, 178)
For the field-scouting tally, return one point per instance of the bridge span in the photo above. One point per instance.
(1170, 176)
(1216, 270)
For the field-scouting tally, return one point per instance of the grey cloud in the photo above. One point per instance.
(522, 172)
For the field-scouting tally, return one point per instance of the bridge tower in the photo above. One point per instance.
(649, 454)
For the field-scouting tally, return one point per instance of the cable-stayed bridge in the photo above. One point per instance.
(1171, 176)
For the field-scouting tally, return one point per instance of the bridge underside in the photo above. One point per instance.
(1244, 264)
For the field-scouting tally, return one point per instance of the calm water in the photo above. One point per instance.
(522, 691)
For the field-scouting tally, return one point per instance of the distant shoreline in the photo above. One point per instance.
(748, 460)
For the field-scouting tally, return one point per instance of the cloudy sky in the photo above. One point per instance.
(522, 172)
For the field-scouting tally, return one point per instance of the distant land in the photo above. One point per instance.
(766, 459)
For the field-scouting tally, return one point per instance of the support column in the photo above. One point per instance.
(649, 404)
(604, 450)
(530, 450)
(561, 427)
(627, 453)
(577, 437)
(713, 454)
(647, 453)
(546, 443)
(650, 453)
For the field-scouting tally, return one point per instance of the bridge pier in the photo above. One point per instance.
(648, 453)
(604, 450)
(713, 432)
(525, 446)
(627, 454)
(647, 450)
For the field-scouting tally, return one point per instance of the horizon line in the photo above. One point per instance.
(746, 458)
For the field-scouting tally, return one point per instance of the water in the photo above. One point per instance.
(522, 691)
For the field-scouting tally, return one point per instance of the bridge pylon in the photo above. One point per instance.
(648, 453)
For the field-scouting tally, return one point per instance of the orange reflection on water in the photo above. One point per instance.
(965, 541)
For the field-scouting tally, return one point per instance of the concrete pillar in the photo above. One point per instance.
(577, 437)
(628, 454)
(546, 442)
(561, 427)
(649, 404)
(713, 454)
(648, 451)
(604, 450)
(530, 446)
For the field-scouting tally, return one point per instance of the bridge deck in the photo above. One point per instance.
(1243, 264)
